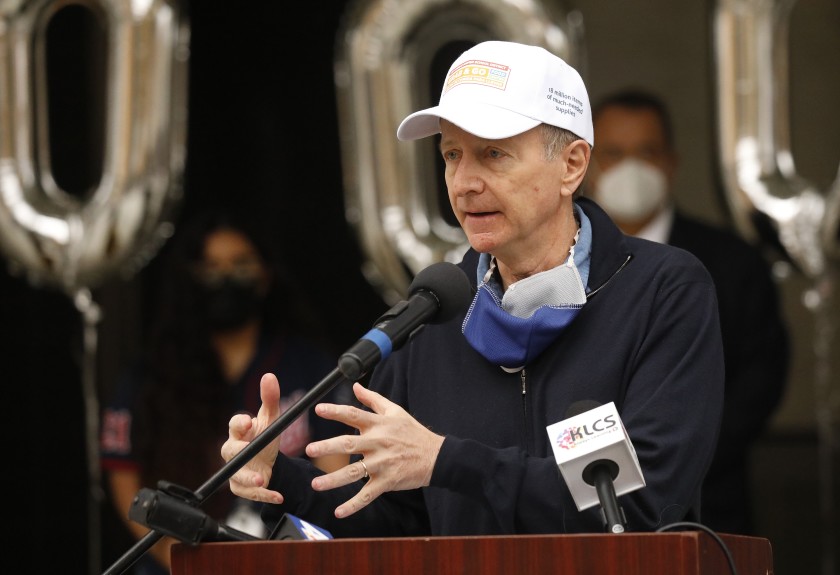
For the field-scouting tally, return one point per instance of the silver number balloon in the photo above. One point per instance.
(75, 243)
(751, 44)
(57, 238)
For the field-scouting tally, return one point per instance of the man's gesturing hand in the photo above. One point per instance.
(251, 480)
(398, 451)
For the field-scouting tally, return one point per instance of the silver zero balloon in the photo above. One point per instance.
(74, 243)
(57, 238)
(751, 57)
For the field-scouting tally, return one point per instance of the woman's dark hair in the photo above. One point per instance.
(186, 405)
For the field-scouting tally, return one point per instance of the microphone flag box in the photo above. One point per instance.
(594, 435)
(291, 527)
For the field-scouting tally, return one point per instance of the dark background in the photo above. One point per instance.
(263, 134)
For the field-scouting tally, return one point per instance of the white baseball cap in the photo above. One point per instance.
(500, 89)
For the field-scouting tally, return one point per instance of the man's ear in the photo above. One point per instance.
(577, 156)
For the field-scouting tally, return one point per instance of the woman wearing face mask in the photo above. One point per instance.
(631, 177)
(224, 317)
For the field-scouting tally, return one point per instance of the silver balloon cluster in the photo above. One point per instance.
(60, 239)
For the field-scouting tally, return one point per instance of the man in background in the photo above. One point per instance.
(632, 176)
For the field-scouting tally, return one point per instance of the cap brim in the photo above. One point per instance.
(481, 120)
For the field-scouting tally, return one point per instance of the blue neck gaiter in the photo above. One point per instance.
(513, 329)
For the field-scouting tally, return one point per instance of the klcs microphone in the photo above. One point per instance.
(596, 458)
(436, 294)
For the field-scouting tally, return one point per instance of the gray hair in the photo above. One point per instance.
(555, 139)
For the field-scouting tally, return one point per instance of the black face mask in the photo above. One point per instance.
(230, 303)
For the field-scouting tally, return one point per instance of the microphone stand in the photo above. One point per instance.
(181, 499)
(601, 474)
(613, 514)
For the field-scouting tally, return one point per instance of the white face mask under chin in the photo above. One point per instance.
(631, 190)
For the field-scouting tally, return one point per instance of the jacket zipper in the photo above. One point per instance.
(522, 379)
(525, 426)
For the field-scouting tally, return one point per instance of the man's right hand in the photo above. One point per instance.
(251, 480)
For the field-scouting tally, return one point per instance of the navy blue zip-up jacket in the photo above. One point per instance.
(648, 339)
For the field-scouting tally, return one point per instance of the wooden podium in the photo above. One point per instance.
(677, 553)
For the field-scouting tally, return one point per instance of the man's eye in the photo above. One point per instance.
(495, 153)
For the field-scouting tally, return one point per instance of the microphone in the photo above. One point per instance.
(436, 294)
(597, 459)
(170, 512)
(293, 528)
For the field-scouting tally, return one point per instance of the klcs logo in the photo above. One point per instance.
(574, 435)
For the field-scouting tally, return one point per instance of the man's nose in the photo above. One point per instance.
(465, 177)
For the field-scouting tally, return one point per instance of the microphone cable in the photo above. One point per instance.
(689, 525)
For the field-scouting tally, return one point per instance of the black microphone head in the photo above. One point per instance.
(607, 466)
(450, 286)
(581, 406)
